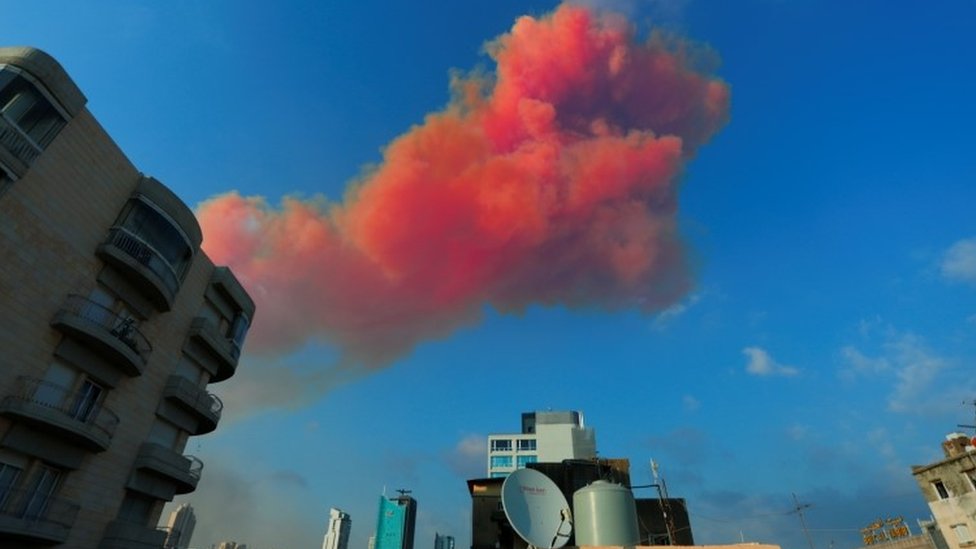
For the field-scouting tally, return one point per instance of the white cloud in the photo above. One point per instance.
(665, 317)
(761, 363)
(959, 261)
(690, 403)
(858, 364)
(469, 455)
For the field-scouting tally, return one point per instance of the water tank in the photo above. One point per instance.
(604, 514)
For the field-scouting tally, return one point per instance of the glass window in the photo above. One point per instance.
(524, 460)
(526, 445)
(962, 533)
(498, 474)
(44, 484)
(940, 489)
(155, 229)
(238, 331)
(86, 401)
(23, 105)
(8, 479)
(501, 461)
(501, 445)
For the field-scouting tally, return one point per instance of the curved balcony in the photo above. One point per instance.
(116, 338)
(121, 534)
(72, 416)
(35, 517)
(14, 140)
(224, 352)
(182, 471)
(145, 267)
(206, 407)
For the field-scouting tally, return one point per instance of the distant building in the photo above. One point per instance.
(443, 542)
(115, 324)
(229, 545)
(548, 437)
(371, 543)
(180, 527)
(337, 536)
(395, 522)
(949, 486)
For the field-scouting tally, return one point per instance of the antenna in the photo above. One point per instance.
(973, 403)
(798, 509)
(403, 492)
(536, 509)
(664, 501)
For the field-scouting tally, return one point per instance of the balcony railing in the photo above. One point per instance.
(207, 406)
(33, 515)
(146, 255)
(74, 413)
(184, 470)
(15, 141)
(122, 328)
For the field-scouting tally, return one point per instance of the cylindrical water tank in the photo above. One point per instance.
(604, 513)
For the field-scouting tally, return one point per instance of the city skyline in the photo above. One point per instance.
(821, 344)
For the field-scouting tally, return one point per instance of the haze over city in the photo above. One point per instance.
(407, 192)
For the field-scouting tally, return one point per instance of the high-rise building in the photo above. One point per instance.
(337, 537)
(443, 542)
(115, 322)
(395, 522)
(179, 529)
(949, 486)
(547, 437)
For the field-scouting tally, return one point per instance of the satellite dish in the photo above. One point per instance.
(536, 509)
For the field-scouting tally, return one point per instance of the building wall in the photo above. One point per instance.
(546, 437)
(55, 214)
(954, 509)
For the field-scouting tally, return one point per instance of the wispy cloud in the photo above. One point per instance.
(665, 317)
(690, 403)
(467, 457)
(760, 363)
(959, 261)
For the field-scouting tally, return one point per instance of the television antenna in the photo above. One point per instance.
(973, 403)
(536, 509)
(403, 492)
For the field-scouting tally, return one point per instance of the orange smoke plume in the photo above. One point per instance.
(553, 182)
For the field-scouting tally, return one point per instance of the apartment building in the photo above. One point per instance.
(949, 487)
(114, 324)
(337, 536)
(546, 437)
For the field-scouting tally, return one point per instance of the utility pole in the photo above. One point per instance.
(798, 509)
(664, 502)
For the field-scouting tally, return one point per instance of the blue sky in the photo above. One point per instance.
(826, 347)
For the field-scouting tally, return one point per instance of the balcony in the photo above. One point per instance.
(182, 471)
(128, 535)
(223, 350)
(206, 407)
(34, 517)
(70, 416)
(145, 267)
(16, 141)
(116, 338)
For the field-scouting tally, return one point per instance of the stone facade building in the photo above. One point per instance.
(114, 323)
(949, 486)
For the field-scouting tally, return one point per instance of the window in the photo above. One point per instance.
(41, 489)
(940, 489)
(85, 405)
(498, 474)
(971, 475)
(8, 479)
(28, 113)
(526, 445)
(136, 508)
(522, 461)
(160, 232)
(962, 533)
(501, 445)
(501, 461)
(5, 179)
(238, 330)
(164, 433)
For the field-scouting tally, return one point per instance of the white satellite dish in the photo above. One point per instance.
(536, 509)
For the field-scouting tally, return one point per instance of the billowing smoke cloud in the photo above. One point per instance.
(553, 181)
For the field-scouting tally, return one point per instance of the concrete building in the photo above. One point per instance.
(337, 536)
(395, 522)
(548, 437)
(443, 542)
(179, 528)
(949, 486)
(114, 324)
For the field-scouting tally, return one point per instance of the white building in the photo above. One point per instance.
(548, 437)
(180, 527)
(337, 537)
(949, 486)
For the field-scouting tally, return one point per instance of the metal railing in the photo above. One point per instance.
(189, 392)
(122, 328)
(196, 466)
(16, 141)
(38, 508)
(76, 406)
(141, 251)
